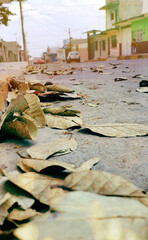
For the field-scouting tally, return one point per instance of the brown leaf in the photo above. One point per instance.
(142, 89)
(18, 105)
(87, 216)
(59, 88)
(102, 183)
(61, 111)
(63, 122)
(20, 215)
(27, 165)
(35, 111)
(87, 165)
(21, 127)
(38, 87)
(120, 129)
(37, 185)
(60, 147)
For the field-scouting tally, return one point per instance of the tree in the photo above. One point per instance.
(5, 13)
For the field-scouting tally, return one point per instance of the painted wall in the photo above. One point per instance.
(145, 6)
(126, 41)
(130, 8)
(141, 25)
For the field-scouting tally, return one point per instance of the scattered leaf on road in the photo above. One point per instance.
(38, 185)
(61, 111)
(120, 129)
(87, 216)
(63, 122)
(60, 147)
(142, 89)
(20, 215)
(102, 183)
(35, 111)
(58, 88)
(87, 165)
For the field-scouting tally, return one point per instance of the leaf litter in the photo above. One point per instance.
(97, 201)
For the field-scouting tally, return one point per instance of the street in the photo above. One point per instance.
(104, 101)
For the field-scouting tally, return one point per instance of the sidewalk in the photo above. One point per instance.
(135, 56)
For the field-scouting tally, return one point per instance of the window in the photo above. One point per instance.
(103, 45)
(96, 45)
(138, 35)
(114, 41)
(111, 16)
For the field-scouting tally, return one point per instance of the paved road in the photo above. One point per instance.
(117, 102)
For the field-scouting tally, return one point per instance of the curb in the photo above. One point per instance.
(139, 56)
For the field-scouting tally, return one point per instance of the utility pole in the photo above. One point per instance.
(23, 33)
(69, 38)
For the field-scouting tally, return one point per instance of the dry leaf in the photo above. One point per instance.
(20, 215)
(62, 111)
(60, 147)
(38, 87)
(59, 88)
(63, 122)
(87, 165)
(54, 111)
(88, 216)
(18, 105)
(21, 127)
(102, 183)
(120, 129)
(37, 185)
(35, 111)
(27, 164)
(4, 207)
(142, 89)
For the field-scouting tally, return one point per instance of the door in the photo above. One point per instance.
(108, 46)
(100, 48)
(126, 41)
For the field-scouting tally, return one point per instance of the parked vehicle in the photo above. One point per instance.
(39, 61)
(73, 56)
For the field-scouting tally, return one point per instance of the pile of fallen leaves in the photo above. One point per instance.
(49, 199)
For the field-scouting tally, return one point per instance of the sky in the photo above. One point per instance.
(46, 22)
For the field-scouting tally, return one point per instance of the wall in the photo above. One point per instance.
(130, 8)
(141, 25)
(142, 46)
(83, 51)
(114, 52)
(126, 41)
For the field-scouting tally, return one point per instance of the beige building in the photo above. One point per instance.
(80, 45)
(9, 51)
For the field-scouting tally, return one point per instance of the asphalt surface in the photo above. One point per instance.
(110, 102)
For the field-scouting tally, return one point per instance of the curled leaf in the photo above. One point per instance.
(60, 147)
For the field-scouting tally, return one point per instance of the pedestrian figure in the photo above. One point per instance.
(133, 46)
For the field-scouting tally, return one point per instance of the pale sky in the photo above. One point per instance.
(46, 22)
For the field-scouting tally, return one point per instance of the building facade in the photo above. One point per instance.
(9, 51)
(124, 21)
(80, 45)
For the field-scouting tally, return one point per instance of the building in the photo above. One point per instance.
(125, 19)
(80, 45)
(9, 51)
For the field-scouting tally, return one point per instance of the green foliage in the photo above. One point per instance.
(5, 13)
